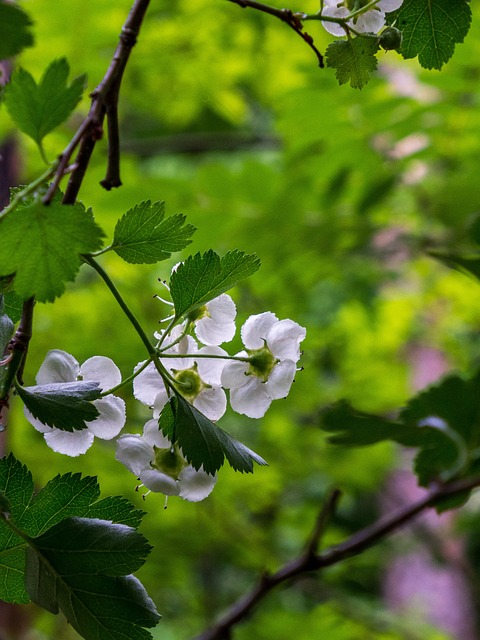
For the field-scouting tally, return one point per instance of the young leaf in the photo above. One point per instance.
(38, 108)
(431, 28)
(202, 442)
(353, 60)
(144, 236)
(67, 561)
(15, 32)
(66, 406)
(203, 277)
(42, 246)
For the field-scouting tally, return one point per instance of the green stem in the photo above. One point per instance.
(21, 195)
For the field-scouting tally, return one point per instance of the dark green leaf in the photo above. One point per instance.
(431, 28)
(38, 108)
(203, 277)
(353, 60)
(465, 263)
(15, 30)
(144, 236)
(202, 442)
(13, 306)
(6, 327)
(66, 406)
(42, 246)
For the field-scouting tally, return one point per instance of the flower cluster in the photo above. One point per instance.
(198, 369)
(372, 20)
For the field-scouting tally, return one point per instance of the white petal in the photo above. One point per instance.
(195, 485)
(147, 384)
(211, 332)
(389, 5)
(252, 399)
(111, 419)
(39, 426)
(255, 329)
(222, 309)
(58, 366)
(186, 345)
(284, 339)
(370, 22)
(280, 380)
(334, 12)
(70, 443)
(160, 401)
(102, 370)
(234, 373)
(211, 402)
(159, 482)
(210, 369)
(134, 453)
(154, 437)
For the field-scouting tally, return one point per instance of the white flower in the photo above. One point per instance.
(59, 367)
(161, 467)
(371, 21)
(215, 320)
(197, 378)
(273, 350)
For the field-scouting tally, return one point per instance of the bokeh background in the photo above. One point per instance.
(226, 116)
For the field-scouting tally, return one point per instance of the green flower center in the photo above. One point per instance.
(197, 314)
(189, 382)
(169, 462)
(262, 362)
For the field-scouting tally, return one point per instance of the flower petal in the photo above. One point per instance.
(70, 443)
(210, 369)
(212, 402)
(58, 366)
(134, 453)
(195, 485)
(334, 12)
(102, 370)
(255, 329)
(39, 426)
(159, 482)
(154, 437)
(111, 419)
(160, 401)
(252, 399)
(370, 21)
(280, 380)
(147, 384)
(234, 373)
(284, 339)
(212, 333)
(389, 5)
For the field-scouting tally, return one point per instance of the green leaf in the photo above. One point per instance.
(37, 109)
(69, 551)
(203, 277)
(15, 32)
(42, 246)
(202, 442)
(144, 236)
(13, 306)
(66, 406)
(353, 60)
(469, 264)
(431, 28)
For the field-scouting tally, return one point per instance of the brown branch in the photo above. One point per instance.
(292, 19)
(104, 103)
(310, 560)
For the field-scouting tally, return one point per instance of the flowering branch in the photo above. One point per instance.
(293, 20)
(311, 560)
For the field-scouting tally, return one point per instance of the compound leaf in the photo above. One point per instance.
(144, 236)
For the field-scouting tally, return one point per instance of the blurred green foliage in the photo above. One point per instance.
(226, 116)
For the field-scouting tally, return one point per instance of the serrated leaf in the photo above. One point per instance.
(6, 327)
(42, 246)
(202, 442)
(67, 406)
(203, 277)
(431, 28)
(37, 109)
(70, 561)
(144, 236)
(353, 60)
(15, 30)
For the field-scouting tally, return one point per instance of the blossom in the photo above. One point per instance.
(272, 350)
(214, 322)
(371, 21)
(161, 467)
(196, 377)
(61, 367)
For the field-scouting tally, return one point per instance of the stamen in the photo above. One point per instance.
(169, 302)
(165, 503)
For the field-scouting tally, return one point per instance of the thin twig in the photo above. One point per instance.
(312, 561)
(292, 19)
